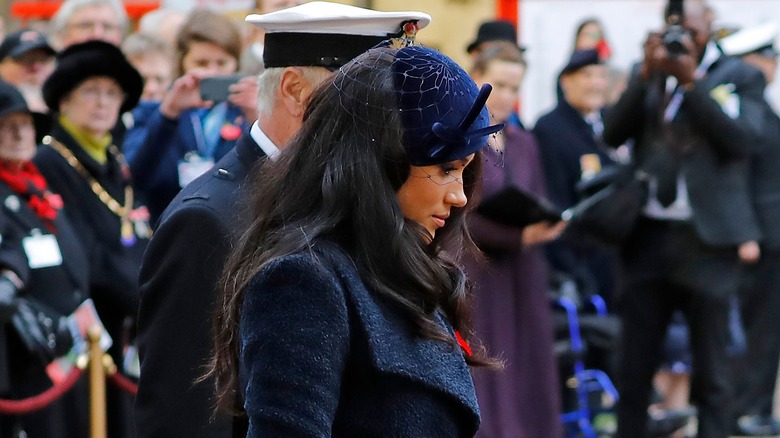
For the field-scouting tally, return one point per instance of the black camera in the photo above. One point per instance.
(673, 37)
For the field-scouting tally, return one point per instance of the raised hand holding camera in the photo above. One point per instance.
(672, 52)
(673, 37)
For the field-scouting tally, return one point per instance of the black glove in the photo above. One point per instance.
(7, 299)
(44, 332)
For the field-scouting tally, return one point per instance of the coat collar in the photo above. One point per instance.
(395, 349)
(249, 152)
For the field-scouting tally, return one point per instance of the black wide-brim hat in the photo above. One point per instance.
(90, 59)
(12, 101)
(496, 30)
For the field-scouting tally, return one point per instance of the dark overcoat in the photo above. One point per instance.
(564, 137)
(759, 294)
(322, 355)
(113, 266)
(62, 288)
(178, 285)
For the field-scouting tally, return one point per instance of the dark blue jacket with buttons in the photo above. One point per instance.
(323, 356)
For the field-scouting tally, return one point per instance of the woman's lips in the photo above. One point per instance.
(440, 220)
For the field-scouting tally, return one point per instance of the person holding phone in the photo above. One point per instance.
(185, 134)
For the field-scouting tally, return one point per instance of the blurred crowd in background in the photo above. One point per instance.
(129, 116)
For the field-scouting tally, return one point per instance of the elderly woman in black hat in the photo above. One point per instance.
(92, 84)
(43, 275)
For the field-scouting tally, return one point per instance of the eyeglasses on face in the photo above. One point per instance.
(94, 92)
(90, 26)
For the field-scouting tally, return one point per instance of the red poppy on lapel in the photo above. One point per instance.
(230, 132)
(463, 344)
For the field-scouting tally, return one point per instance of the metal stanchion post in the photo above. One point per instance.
(97, 386)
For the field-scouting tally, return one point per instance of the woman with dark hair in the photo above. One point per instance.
(342, 315)
(174, 141)
(82, 164)
(590, 35)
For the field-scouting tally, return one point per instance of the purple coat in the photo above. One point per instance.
(512, 313)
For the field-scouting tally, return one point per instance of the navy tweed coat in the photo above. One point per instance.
(323, 356)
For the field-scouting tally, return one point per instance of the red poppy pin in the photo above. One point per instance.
(463, 344)
(230, 132)
(54, 200)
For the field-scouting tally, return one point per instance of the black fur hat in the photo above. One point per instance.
(80, 62)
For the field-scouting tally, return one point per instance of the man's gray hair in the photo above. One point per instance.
(152, 21)
(269, 80)
(60, 20)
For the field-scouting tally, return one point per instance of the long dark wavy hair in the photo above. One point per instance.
(337, 180)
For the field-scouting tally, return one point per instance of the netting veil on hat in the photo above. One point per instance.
(442, 111)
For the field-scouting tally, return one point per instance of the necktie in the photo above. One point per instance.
(596, 125)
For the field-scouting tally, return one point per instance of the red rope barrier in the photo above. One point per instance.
(123, 383)
(40, 401)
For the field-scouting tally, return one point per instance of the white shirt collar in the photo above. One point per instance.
(263, 141)
(711, 54)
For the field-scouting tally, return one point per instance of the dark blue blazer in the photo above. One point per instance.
(178, 285)
(156, 144)
(710, 148)
(564, 136)
(323, 356)
(765, 181)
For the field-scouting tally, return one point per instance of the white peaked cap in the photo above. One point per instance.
(336, 18)
(750, 39)
(328, 34)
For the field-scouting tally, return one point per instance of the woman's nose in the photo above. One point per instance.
(456, 196)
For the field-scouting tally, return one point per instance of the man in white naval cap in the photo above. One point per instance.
(185, 257)
(759, 293)
(756, 46)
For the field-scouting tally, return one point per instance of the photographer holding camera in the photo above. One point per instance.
(693, 115)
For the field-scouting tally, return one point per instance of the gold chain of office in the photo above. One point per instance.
(112, 204)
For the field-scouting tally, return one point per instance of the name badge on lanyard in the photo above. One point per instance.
(42, 250)
(193, 166)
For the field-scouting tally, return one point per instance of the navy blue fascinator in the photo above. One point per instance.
(443, 112)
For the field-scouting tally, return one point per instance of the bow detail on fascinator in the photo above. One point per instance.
(459, 136)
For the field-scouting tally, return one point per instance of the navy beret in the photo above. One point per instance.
(580, 59)
(442, 110)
